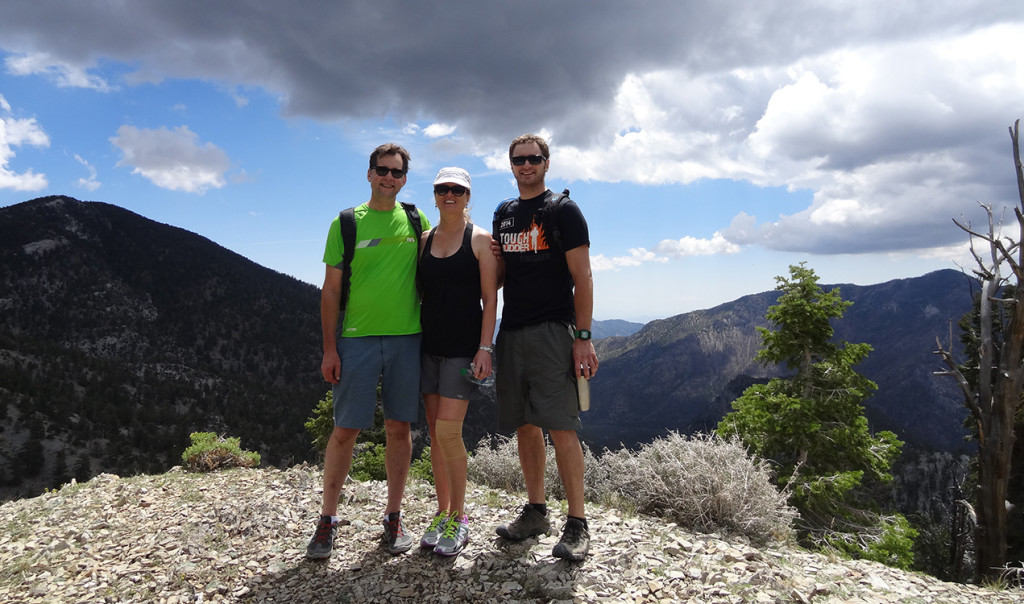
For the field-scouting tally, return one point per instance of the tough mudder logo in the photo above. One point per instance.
(530, 240)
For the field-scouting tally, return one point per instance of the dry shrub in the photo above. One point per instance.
(495, 463)
(702, 482)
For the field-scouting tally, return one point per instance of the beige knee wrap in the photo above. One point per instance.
(449, 440)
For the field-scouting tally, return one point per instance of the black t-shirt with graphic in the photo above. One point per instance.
(538, 285)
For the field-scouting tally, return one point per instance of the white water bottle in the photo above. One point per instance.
(583, 389)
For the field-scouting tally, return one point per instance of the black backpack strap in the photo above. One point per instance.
(413, 215)
(499, 213)
(347, 221)
(549, 218)
(414, 219)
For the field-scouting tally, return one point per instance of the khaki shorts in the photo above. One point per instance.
(441, 375)
(535, 380)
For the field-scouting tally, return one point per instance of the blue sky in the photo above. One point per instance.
(710, 144)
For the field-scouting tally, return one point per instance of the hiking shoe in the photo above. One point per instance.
(433, 532)
(454, 537)
(397, 539)
(575, 542)
(322, 543)
(530, 523)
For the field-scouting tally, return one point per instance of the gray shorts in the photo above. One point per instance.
(442, 375)
(394, 361)
(535, 380)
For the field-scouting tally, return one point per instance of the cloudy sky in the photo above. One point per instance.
(710, 143)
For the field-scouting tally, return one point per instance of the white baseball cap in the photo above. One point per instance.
(450, 175)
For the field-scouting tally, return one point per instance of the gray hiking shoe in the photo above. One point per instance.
(395, 537)
(322, 543)
(433, 532)
(575, 542)
(530, 523)
(454, 537)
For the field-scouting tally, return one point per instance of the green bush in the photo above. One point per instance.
(210, 452)
(321, 424)
(368, 462)
(421, 467)
(890, 541)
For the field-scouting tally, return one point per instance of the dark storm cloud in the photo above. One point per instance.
(857, 101)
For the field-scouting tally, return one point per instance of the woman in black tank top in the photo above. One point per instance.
(458, 273)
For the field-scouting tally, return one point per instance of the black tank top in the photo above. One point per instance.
(451, 313)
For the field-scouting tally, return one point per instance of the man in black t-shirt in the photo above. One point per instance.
(544, 343)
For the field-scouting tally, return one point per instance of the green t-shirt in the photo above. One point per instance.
(382, 300)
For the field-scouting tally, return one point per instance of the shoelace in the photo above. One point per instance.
(437, 521)
(451, 528)
(396, 527)
(323, 532)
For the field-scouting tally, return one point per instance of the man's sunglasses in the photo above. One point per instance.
(535, 160)
(456, 190)
(382, 171)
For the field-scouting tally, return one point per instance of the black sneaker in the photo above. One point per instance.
(530, 523)
(322, 543)
(395, 537)
(575, 542)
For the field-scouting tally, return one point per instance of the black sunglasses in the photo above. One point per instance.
(456, 190)
(382, 171)
(535, 160)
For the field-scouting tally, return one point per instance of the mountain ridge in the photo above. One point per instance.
(120, 335)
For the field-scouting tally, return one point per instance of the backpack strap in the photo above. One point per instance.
(413, 215)
(347, 221)
(414, 219)
(549, 218)
(499, 213)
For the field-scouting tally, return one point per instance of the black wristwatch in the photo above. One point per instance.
(582, 334)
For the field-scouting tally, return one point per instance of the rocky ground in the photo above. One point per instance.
(240, 536)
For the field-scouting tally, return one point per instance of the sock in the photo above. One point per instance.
(392, 516)
(540, 507)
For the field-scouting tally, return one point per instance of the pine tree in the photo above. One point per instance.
(812, 425)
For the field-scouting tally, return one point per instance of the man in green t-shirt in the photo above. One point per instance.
(380, 341)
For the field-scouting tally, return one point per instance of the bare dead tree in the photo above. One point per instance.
(993, 401)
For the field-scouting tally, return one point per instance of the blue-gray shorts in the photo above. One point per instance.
(395, 362)
(535, 379)
(442, 375)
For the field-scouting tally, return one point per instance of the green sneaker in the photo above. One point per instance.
(322, 543)
(454, 537)
(395, 537)
(433, 532)
(530, 523)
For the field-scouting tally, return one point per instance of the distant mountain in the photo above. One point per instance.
(682, 373)
(614, 328)
(119, 336)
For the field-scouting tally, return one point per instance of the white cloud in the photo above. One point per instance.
(664, 251)
(438, 130)
(65, 75)
(89, 183)
(172, 159)
(691, 246)
(15, 132)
